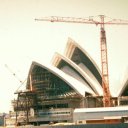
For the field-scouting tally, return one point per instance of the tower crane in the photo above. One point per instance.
(103, 45)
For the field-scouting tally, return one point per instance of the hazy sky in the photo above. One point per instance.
(22, 40)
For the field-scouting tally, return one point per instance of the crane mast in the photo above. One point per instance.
(104, 65)
(103, 45)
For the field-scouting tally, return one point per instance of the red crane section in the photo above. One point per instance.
(103, 44)
(104, 66)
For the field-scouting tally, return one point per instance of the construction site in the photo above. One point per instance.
(71, 90)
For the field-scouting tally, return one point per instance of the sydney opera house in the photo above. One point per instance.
(54, 91)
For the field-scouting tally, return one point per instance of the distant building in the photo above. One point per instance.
(2, 119)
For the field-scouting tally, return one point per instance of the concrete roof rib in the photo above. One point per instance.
(72, 82)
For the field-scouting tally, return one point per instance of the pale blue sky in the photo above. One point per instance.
(23, 40)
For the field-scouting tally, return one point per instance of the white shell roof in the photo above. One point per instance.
(124, 86)
(72, 82)
(77, 85)
(93, 83)
(71, 45)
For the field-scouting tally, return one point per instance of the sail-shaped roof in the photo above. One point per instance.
(124, 90)
(78, 55)
(70, 81)
(71, 68)
(81, 58)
